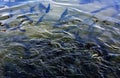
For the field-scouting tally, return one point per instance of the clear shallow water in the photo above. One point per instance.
(52, 39)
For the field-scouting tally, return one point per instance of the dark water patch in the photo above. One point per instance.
(40, 58)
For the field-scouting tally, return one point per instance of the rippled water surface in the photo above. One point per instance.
(60, 39)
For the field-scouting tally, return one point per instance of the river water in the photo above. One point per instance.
(59, 39)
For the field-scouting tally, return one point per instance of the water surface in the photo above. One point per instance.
(60, 39)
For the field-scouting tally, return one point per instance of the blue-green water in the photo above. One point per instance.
(59, 40)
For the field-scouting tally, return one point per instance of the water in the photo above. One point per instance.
(59, 39)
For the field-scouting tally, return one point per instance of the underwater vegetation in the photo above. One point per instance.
(57, 40)
(52, 58)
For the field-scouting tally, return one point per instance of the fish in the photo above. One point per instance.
(86, 1)
(90, 28)
(48, 8)
(23, 11)
(40, 19)
(28, 18)
(10, 13)
(7, 26)
(18, 27)
(32, 8)
(15, 28)
(63, 14)
(23, 30)
(61, 18)
(78, 37)
(41, 7)
(101, 9)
